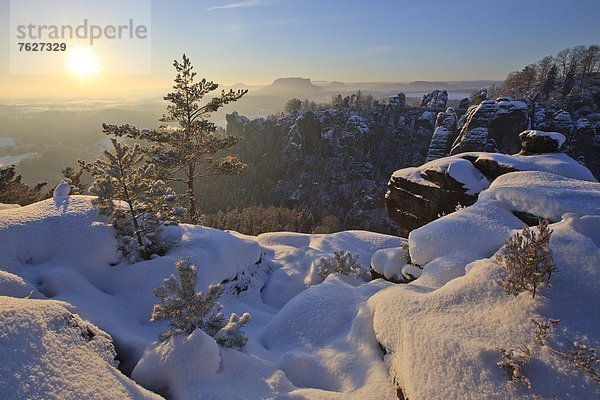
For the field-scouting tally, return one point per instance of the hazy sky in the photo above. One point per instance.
(256, 41)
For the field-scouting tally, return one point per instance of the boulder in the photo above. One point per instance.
(417, 196)
(537, 142)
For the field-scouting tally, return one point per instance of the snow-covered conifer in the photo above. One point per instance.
(135, 201)
(527, 260)
(186, 309)
(343, 263)
(187, 152)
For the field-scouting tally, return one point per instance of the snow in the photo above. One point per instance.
(413, 174)
(49, 353)
(556, 163)
(558, 137)
(457, 167)
(308, 338)
(161, 365)
(60, 249)
(61, 190)
(452, 234)
(426, 327)
(390, 262)
(462, 170)
(544, 194)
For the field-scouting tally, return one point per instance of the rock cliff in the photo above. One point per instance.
(417, 196)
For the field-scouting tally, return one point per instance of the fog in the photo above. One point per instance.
(42, 136)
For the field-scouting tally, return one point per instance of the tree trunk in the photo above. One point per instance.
(192, 195)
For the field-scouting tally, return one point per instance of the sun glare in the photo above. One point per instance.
(82, 62)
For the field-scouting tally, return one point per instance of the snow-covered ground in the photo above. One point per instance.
(309, 338)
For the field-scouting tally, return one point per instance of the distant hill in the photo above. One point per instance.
(299, 87)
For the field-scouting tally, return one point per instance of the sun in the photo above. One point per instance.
(83, 62)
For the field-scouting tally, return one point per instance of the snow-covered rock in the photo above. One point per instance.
(49, 353)
(444, 134)
(435, 99)
(545, 195)
(497, 121)
(535, 141)
(390, 262)
(174, 366)
(61, 190)
(419, 195)
(455, 314)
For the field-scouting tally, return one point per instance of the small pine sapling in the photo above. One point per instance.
(343, 263)
(513, 363)
(582, 356)
(186, 309)
(136, 202)
(527, 260)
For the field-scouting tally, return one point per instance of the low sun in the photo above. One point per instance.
(83, 62)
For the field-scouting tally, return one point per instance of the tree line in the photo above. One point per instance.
(356, 101)
(554, 78)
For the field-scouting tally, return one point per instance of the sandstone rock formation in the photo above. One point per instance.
(501, 121)
(464, 103)
(444, 134)
(537, 142)
(332, 162)
(435, 99)
(417, 196)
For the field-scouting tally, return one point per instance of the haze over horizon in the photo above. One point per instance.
(257, 41)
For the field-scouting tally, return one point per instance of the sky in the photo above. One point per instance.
(257, 41)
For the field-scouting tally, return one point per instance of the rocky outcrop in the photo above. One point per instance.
(413, 200)
(417, 196)
(464, 103)
(444, 134)
(397, 101)
(563, 123)
(332, 162)
(435, 99)
(474, 131)
(492, 124)
(537, 142)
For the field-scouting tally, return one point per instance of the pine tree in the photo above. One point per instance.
(343, 263)
(135, 201)
(568, 85)
(186, 310)
(549, 83)
(527, 260)
(14, 191)
(73, 178)
(187, 152)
